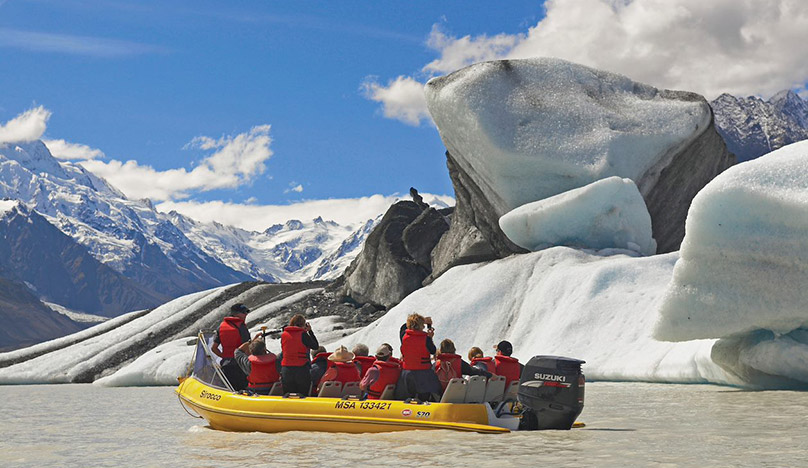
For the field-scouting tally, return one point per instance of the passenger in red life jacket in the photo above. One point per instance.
(296, 341)
(319, 363)
(418, 378)
(480, 362)
(506, 365)
(449, 365)
(361, 358)
(344, 369)
(231, 334)
(382, 373)
(261, 366)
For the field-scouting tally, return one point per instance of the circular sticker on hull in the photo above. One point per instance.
(406, 412)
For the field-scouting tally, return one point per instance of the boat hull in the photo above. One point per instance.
(229, 411)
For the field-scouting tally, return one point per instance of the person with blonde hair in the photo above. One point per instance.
(418, 379)
(296, 341)
(449, 365)
(481, 362)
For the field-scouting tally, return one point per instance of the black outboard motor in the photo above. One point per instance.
(552, 392)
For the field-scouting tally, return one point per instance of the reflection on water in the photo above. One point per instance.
(627, 424)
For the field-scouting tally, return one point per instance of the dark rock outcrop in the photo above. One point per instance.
(395, 259)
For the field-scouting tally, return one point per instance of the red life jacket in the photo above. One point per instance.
(230, 336)
(341, 372)
(447, 367)
(388, 374)
(394, 359)
(414, 352)
(489, 363)
(324, 356)
(295, 353)
(263, 372)
(508, 367)
(366, 362)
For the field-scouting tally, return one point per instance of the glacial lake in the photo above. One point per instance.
(627, 424)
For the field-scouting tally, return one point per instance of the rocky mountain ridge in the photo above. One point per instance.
(752, 127)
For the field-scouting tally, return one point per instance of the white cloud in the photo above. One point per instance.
(743, 47)
(294, 188)
(458, 53)
(346, 211)
(28, 126)
(62, 149)
(235, 162)
(402, 99)
(75, 45)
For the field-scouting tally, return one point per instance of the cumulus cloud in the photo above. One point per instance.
(401, 99)
(742, 47)
(28, 126)
(61, 149)
(236, 160)
(345, 211)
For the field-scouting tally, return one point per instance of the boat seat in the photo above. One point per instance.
(331, 389)
(388, 393)
(512, 390)
(475, 389)
(455, 391)
(495, 389)
(277, 389)
(351, 389)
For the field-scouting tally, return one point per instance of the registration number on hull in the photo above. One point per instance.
(363, 405)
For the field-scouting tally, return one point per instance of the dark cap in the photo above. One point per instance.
(505, 347)
(239, 308)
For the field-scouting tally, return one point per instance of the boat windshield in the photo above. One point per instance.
(206, 369)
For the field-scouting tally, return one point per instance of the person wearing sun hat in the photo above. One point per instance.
(382, 373)
(507, 366)
(343, 370)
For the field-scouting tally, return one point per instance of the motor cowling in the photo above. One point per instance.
(552, 392)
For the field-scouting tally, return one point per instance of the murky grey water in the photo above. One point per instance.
(627, 425)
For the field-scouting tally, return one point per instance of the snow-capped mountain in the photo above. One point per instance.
(293, 251)
(753, 127)
(168, 254)
(129, 236)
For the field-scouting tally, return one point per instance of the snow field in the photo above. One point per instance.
(595, 306)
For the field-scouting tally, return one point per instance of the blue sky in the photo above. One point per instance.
(185, 91)
(140, 81)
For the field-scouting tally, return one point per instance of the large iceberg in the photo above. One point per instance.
(744, 259)
(743, 270)
(609, 213)
(518, 131)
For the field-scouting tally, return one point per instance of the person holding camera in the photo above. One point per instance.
(296, 341)
(418, 379)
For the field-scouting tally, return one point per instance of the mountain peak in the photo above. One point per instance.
(34, 156)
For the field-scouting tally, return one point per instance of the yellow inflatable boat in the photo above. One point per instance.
(206, 392)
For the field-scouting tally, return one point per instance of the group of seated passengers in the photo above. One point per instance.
(423, 370)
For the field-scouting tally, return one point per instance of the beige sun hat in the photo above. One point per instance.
(341, 355)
